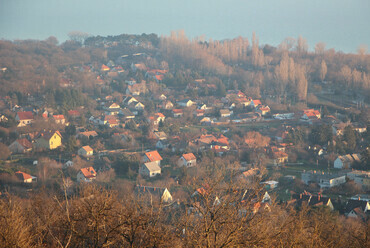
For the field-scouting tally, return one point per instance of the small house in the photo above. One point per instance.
(177, 113)
(185, 103)
(85, 151)
(25, 178)
(187, 160)
(149, 169)
(59, 119)
(86, 174)
(20, 146)
(25, 118)
(152, 156)
(49, 140)
(346, 161)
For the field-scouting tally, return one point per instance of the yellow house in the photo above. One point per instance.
(49, 140)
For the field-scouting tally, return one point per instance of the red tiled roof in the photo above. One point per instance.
(105, 68)
(74, 113)
(87, 148)
(189, 156)
(26, 115)
(153, 156)
(58, 117)
(88, 172)
(159, 77)
(177, 111)
(257, 102)
(22, 175)
(311, 113)
(89, 133)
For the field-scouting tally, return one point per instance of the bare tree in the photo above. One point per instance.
(287, 44)
(362, 49)
(320, 48)
(78, 36)
(323, 70)
(302, 45)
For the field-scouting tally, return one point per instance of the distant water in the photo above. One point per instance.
(341, 24)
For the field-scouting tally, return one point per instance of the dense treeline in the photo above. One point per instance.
(96, 217)
(286, 71)
(283, 71)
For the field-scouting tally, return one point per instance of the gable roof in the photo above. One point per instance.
(25, 115)
(88, 172)
(177, 111)
(58, 117)
(352, 204)
(48, 134)
(189, 156)
(25, 143)
(23, 176)
(257, 102)
(153, 156)
(87, 148)
(151, 190)
(89, 133)
(152, 166)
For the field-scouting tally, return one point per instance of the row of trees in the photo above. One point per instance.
(96, 217)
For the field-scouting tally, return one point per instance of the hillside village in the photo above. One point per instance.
(134, 127)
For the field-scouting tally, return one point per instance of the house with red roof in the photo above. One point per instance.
(59, 119)
(20, 146)
(25, 178)
(187, 160)
(104, 68)
(278, 155)
(157, 118)
(25, 118)
(152, 156)
(86, 174)
(177, 113)
(310, 115)
(74, 113)
(263, 110)
(255, 103)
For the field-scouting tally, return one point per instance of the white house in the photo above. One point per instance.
(149, 169)
(152, 156)
(346, 161)
(331, 181)
(185, 103)
(187, 160)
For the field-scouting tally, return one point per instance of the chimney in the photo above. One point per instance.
(359, 198)
(319, 197)
(300, 196)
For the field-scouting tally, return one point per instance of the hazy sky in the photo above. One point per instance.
(341, 24)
